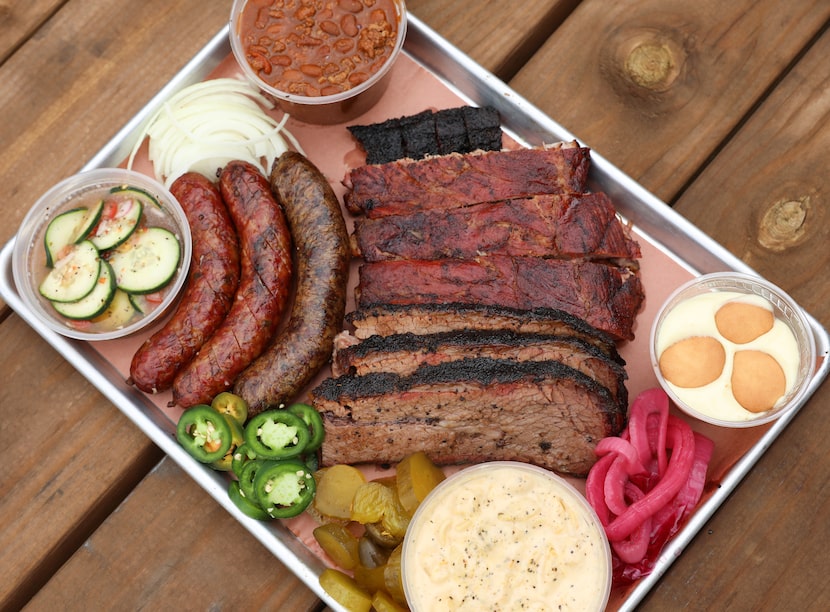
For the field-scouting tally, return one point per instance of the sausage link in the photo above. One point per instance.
(212, 280)
(261, 298)
(322, 249)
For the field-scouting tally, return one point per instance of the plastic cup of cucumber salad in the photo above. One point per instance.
(102, 254)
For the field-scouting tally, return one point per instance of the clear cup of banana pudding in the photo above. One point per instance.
(733, 350)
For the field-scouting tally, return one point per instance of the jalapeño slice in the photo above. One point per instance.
(276, 434)
(284, 488)
(204, 433)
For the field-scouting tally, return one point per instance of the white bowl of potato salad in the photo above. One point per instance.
(506, 535)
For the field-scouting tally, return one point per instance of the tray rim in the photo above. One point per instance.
(658, 222)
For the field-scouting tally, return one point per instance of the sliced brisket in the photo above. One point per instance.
(607, 297)
(454, 180)
(560, 225)
(387, 319)
(542, 412)
(404, 353)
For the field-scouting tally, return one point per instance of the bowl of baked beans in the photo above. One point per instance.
(323, 61)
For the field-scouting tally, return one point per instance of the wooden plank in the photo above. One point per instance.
(20, 20)
(766, 197)
(656, 86)
(501, 36)
(64, 95)
(72, 458)
(169, 545)
(75, 456)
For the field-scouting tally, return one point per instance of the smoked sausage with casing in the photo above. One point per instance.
(212, 281)
(321, 240)
(262, 296)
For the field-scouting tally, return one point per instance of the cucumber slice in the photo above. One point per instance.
(119, 220)
(74, 275)
(140, 303)
(147, 261)
(95, 302)
(119, 312)
(136, 191)
(67, 228)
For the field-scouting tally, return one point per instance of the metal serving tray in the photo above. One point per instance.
(663, 229)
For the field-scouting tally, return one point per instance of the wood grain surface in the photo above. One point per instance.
(658, 86)
(720, 109)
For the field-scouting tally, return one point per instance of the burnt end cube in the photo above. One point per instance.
(451, 131)
(382, 142)
(483, 128)
(454, 130)
(418, 133)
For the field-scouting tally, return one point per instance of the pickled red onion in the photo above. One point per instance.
(640, 491)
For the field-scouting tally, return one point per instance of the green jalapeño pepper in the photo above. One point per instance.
(313, 421)
(247, 475)
(237, 439)
(241, 456)
(204, 433)
(232, 406)
(276, 434)
(284, 488)
(248, 507)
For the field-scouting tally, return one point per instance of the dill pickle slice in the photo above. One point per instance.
(377, 502)
(417, 475)
(338, 543)
(336, 489)
(383, 602)
(345, 590)
(393, 577)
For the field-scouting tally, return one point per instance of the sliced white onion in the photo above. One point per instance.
(205, 125)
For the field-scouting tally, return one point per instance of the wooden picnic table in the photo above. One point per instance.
(721, 109)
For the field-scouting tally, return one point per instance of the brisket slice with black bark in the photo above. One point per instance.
(607, 297)
(388, 319)
(563, 226)
(404, 353)
(454, 180)
(541, 412)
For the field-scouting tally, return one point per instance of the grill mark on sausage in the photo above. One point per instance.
(263, 290)
(213, 278)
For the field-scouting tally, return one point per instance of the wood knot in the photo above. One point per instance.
(784, 224)
(652, 65)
